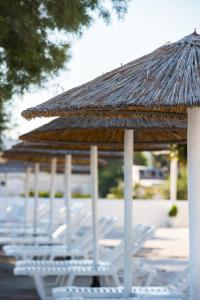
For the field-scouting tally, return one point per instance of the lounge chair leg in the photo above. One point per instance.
(40, 287)
(116, 280)
(107, 281)
(70, 280)
(95, 281)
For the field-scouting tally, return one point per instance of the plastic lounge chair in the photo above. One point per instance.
(58, 237)
(177, 290)
(13, 229)
(65, 272)
(138, 293)
(80, 246)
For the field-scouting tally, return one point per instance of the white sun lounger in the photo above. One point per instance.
(14, 229)
(78, 218)
(58, 237)
(42, 211)
(178, 290)
(80, 246)
(65, 272)
(138, 293)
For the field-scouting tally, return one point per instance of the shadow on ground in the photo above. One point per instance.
(13, 287)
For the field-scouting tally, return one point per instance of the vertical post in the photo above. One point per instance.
(94, 195)
(128, 223)
(26, 199)
(6, 195)
(36, 191)
(67, 195)
(193, 197)
(52, 195)
(173, 176)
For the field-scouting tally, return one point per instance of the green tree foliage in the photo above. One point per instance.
(182, 154)
(34, 38)
(110, 176)
(182, 191)
(140, 159)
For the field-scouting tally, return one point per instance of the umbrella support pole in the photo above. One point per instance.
(35, 208)
(128, 222)
(6, 206)
(26, 200)
(52, 195)
(67, 189)
(94, 193)
(173, 178)
(194, 199)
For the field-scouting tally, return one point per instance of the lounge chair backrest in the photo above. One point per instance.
(141, 233)
(181, 282)
(105, 224)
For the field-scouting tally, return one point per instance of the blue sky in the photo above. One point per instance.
(147, 25)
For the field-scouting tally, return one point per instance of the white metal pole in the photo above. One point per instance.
(36, 191)
(26, 199)
(128, 197)
(194, 199)
(52, 195)
(173, 178)
(67, 195)
(6, 195)
(94, 196)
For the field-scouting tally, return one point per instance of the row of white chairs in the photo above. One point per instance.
(54, 278)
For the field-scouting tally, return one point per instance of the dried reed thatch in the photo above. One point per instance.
(167, 81)
(34, 157)
(14, 166)
(60, 153)
(99, 131)
(104, 147)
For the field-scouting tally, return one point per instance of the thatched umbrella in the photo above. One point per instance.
(56, 145)
(44, 153)
(38, 155)
(165, 83)
(99, 131)
(37, 158)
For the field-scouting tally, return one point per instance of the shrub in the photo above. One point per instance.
(173, 211)
(59, 195)
(79, 195)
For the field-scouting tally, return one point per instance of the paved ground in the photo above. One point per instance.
(168, 251)
(12, 287)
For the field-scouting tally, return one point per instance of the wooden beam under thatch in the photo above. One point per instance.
(98, 131)
(165, 81)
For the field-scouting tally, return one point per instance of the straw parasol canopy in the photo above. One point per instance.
(60, 152)
(35, 156)
(99, 131)
(14, 167)
(105, 147)
(165, 81)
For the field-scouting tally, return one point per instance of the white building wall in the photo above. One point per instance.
(16, 183)
(154, 212)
